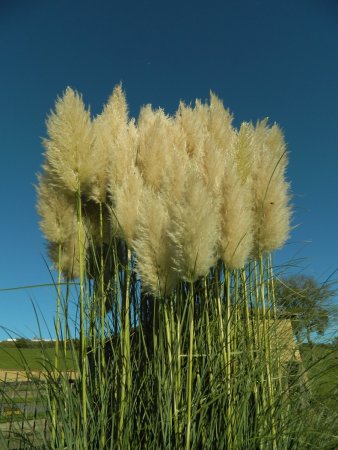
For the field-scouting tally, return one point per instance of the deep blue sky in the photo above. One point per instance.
(263, 58)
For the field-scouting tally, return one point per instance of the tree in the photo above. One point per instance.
(306, 302)
(23, 342)
(334, 342)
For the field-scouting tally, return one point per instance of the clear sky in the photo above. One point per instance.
(262, 57)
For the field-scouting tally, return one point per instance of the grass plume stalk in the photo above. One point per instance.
(83, 340)
(266, 333)
(102, 310)
(190, 365)
(126, 367)
(57, 332)
(228, 356)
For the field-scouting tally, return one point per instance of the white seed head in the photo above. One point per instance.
(116, 142)
(271, 196)
(69, 143)
(236, 218)
(57, 210)
(152, 245)
(193, 228)
(127, 197)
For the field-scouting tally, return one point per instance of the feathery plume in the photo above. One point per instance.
(220, 123)
(192, 122)
(219, 143)
(236, 239)
(245, 151)
(56, 209)
(270, 189)
(209, 136)
(155, 146)
(69, 146)
(115, 145)
(59, 224)
(127, 205)
(193, 228)
(70, 254)
(154, 259)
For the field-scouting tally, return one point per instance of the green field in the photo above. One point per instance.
(35, 359)
(321, 362)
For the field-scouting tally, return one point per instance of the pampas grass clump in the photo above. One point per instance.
(168, 222)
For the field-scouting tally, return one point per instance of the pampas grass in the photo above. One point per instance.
(127, 204)
(236, 218)
(151, 152)
(194, 230)
(270, 188)
(174, 224)
(69, 146)
(152, 245)
(115, 145)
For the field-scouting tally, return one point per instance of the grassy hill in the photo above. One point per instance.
(36, 358)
